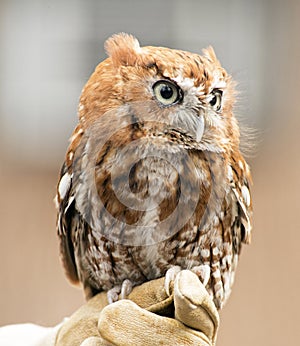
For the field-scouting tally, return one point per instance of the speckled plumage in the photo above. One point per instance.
(187, 190)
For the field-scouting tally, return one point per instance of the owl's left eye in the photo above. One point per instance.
(216, 100)
(167, 93)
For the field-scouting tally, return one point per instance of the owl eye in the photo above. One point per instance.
(216, 100)
(167, 93)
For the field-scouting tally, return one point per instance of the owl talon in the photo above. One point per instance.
(170, 277)
(119, 292)
(126, 288)
(203, 272)
(113, 294)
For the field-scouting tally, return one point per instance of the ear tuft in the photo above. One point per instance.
(210, 55)
(123, 49)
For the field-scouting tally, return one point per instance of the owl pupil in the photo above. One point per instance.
(213, 101)
(166, 92)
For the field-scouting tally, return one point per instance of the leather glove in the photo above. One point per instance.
(148, 317)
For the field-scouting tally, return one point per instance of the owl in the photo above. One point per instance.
(153, 180)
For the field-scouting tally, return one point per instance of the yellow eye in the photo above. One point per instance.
(216, 100)
(167, 93)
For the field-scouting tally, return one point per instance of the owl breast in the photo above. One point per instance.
(159, 205)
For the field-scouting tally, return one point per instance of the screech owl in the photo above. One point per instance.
(153, 180)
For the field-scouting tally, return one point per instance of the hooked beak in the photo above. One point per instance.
(189, 123)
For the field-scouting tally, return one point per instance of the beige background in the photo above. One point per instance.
(49, 48)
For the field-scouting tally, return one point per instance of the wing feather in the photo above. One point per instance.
(66, 224)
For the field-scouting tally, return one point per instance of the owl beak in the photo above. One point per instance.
(190, 124)
(199, 128)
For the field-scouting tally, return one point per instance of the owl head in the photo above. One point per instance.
(190, 93)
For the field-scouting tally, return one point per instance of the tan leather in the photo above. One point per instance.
(150, 317)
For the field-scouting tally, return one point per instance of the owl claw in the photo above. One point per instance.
(203, 272)
(113, 294)
(119, 292)
(126, 288)
(170, 277)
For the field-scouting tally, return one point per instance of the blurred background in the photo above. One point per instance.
(49, 49)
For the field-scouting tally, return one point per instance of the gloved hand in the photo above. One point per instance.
(150, 317)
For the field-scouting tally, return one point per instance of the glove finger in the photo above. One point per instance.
(95, 341)
(193, 305)
(125, 323)
(152, 296)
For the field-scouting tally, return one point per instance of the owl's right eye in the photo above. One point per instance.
(167, 93)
